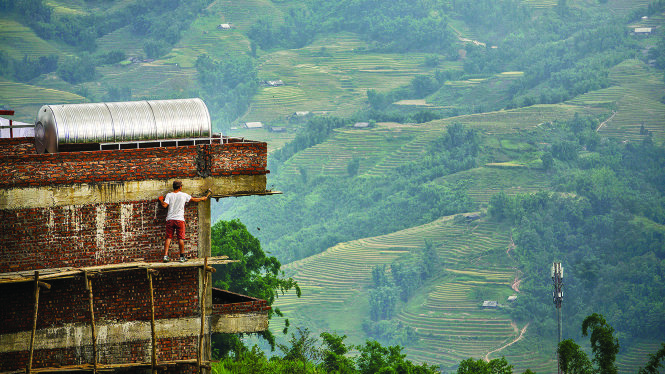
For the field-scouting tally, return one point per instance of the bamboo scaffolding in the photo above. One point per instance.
(88, 286)
(34, 323)
(204, 273)
(111, 367)
(69, 272)
(152, 320)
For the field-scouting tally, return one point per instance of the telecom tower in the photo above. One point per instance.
(557, 296)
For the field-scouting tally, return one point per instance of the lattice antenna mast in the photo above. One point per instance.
(557, 298)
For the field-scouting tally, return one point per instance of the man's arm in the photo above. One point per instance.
(202, 198)
(161, 201)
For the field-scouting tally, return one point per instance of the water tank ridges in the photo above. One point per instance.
(120, 122)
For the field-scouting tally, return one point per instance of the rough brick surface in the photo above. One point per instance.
(118, 296)
(87, 235)
(169, 349)
(18, 169)
(17, 147)
(238, 308)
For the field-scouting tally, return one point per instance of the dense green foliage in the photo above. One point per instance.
(496, 366)
(227, 86)
(605, 225)
(382, 23)
(157, 20)
(303, 354)
(27, 68)
(254, 274)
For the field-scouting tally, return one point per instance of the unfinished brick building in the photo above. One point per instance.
(82, 284)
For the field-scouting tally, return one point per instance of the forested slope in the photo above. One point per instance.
(501, 135)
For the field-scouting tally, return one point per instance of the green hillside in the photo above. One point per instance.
(470, 103)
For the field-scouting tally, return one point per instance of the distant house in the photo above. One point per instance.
(275, 83)
(490, 304)
(361, 125)
(301, 114)
(277, 129)
(253, 125)
(512, 298)
(643, 30)
(473, 217)
(224, 26)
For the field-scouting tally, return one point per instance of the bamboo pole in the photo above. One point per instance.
(202, 302)
(113, 367)
(152, 321)
(62, 273)
(88, 286)
(34, 323)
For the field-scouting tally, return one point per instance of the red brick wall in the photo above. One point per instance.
(87, 235)
(118, 296)
(18, 169)
(17, 146)
(169, 349)
(245, 307)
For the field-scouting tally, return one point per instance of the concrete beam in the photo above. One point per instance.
(114, 332)
(236, 323)
(121, 191)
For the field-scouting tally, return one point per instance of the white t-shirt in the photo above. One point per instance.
(176, 201)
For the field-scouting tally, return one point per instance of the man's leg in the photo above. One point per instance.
(167, 244)
(181, 243)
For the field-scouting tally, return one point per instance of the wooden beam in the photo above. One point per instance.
(88, 286)
(44, 284)
(34, 323)
(61, 273)
(202, 301)
(152, 321)
(111, 367)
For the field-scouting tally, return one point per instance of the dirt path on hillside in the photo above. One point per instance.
(614, 113)
(511, 246)
(516, 283)
(466, 40)
(487, 356)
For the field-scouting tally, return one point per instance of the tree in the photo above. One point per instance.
(495, 366)
(603, 343)
(301, 348)
(76, 70)
(254, 274)
(654, 362)
(333, 355)
(572, 358)
(548, 160)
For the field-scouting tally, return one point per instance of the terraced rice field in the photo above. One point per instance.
(333, 156)
(26, 99)
(334, 81)
(508, 121)
(122, 39)
(484, 182)
(149, 79)
(630, 360)
(19, 40)
(639, 105)
(448, 320)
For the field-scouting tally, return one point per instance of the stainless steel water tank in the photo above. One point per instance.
(120, 122)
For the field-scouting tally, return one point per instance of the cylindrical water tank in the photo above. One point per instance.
(120, 122)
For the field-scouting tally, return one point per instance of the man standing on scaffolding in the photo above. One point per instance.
(175, 219)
